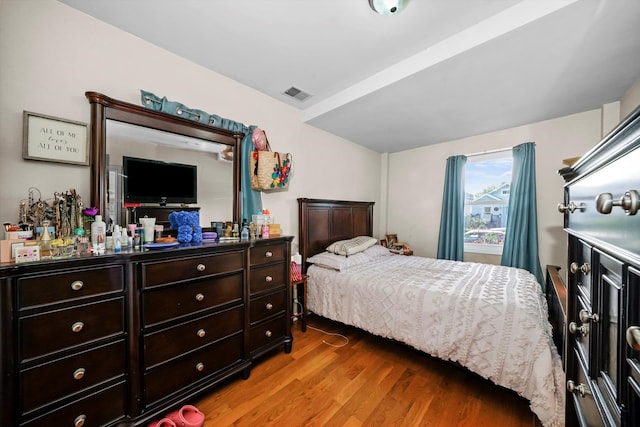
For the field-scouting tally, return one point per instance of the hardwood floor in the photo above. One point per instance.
(367, 382)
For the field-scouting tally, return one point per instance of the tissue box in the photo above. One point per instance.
(27, 254)
(21, 234)
(274, 230)
(8, 249)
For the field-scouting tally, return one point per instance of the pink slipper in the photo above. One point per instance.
(187, 416)
(165, 422)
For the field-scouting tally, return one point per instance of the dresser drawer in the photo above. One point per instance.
(170, 271)
(69, 285)
(585, 405)
(169, 343)
(56, 330)
(60, 378)
(267, 306)
(616, 228)
(267, 278)
(95, 410)
(184, 371)
(267, 333)
(265, 254)
(176, 301)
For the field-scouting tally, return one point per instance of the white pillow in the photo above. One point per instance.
(338, 262)
(352, 246)
(376, 251)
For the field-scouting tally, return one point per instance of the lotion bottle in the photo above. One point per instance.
(98, 234)
(117, 239)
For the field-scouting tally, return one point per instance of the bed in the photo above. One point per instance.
(493, 320)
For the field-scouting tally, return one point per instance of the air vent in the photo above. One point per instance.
(296, 93)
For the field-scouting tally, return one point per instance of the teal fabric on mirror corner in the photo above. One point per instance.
(154, 102)
(451, 238)
(251, 200)
(151, 101)
(521, 239)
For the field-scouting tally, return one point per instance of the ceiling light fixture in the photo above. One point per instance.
(388, 7)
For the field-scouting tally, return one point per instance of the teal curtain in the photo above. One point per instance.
(250, 200)
(451, 239)
(521, 239)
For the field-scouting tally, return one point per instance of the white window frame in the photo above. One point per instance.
(480, 248)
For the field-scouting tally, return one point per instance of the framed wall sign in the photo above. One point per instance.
(52, 139)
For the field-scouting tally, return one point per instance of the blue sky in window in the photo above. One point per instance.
(480, 175)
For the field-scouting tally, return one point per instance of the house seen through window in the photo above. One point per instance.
(486, 206)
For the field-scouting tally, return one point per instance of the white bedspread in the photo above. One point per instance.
(490, 319)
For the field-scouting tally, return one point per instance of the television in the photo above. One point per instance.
(155, 181)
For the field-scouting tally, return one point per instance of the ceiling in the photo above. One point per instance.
(438, 71)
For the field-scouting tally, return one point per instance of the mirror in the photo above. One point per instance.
(121, 130)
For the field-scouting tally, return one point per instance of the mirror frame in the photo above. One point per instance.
(104, 108)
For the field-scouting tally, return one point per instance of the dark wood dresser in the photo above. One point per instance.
(602, 218)
(122, 339)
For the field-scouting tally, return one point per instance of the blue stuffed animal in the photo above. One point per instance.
(188, 225)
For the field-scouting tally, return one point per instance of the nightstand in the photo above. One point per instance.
(301, 292)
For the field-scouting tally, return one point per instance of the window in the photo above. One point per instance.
(487, 185)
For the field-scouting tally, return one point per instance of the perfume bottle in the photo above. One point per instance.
(45, 239)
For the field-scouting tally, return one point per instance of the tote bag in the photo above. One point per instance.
(269, 169)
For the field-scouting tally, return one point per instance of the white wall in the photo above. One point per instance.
(630, 100)
(416, 177)
(416, 180)
(52, 54)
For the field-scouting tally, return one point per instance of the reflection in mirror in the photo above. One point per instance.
(213, 161)
(120, 129)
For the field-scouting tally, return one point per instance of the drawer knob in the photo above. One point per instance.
(581, 389)
(269, 306)
(78, 374)
(268, 279)
(77, 285)
(201, 267)
(584, 268)
(200, 367)
(571, 207)
(199, 297)
(574, 329)
(79, 421)
(629, 202)
(77, 327)
(268, 334)
(268, 254)
(585, 316)
(633, 337)
(201, 333)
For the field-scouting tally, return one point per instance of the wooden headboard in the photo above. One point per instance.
(321, 222)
